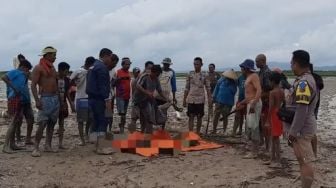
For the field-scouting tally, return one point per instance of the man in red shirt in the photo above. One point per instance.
(123, 90)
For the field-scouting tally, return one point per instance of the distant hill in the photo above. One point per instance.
(281, 65)
(286, 66)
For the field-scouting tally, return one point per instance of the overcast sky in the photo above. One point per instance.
(221, 32)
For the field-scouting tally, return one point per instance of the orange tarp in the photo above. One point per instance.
(203, 145)
(149, 145)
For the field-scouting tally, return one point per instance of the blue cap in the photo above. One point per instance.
(248, 64)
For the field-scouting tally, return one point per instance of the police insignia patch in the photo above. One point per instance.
(303, 93)
(302, 86)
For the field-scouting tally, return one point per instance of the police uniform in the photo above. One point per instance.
(196, 85)
(303, 126)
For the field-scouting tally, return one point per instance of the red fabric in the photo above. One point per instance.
(47, 65)
(14, 105)
(276, 123)
(123, 87)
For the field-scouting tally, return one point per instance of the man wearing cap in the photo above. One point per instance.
(303, 127)
(213, 76)
(123, 90)
(223, 97)
(197, 84)
(46, 98)
(253, 102)
(79, 78)
(98, 90)
(168, 86)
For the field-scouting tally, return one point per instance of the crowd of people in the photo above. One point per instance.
(266, 102)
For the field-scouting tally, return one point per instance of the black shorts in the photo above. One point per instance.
(196, 109)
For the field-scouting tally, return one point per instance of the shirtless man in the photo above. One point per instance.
(47, 99)
(254, 104)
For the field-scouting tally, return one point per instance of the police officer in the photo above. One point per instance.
(303, 127)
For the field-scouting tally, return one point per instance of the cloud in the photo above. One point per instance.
(222, 32)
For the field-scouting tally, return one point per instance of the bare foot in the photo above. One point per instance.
(275, 165)
(61, 147)
(82, 143)
(105, 151)
(36, 153)
(29, 142)
(8, 150)
(250, 156)
(48, 149)
(267, 162)
(15, 147)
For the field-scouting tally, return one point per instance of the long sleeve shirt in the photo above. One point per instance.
(305, 99)
(98, 81)
(225, 91)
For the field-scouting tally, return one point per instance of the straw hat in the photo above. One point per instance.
(48, 49)
(230, 74)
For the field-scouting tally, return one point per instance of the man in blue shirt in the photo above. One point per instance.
(18, 104)
(240, 114)
(98, 90)
(223, 97)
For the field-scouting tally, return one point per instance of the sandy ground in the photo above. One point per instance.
(79, 166)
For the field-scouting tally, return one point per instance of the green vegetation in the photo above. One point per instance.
(2, 73)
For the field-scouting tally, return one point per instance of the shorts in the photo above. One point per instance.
(122, 105)
(82, 110)
(17, 109)
(252, 122)
(303, 149)
(14, 106)
(196, 110)
(276, 123)
(50, 109)
(64, 111)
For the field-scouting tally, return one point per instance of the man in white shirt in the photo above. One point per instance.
(168, 85)
(82, 107)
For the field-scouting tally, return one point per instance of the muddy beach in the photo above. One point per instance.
(79, 166)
